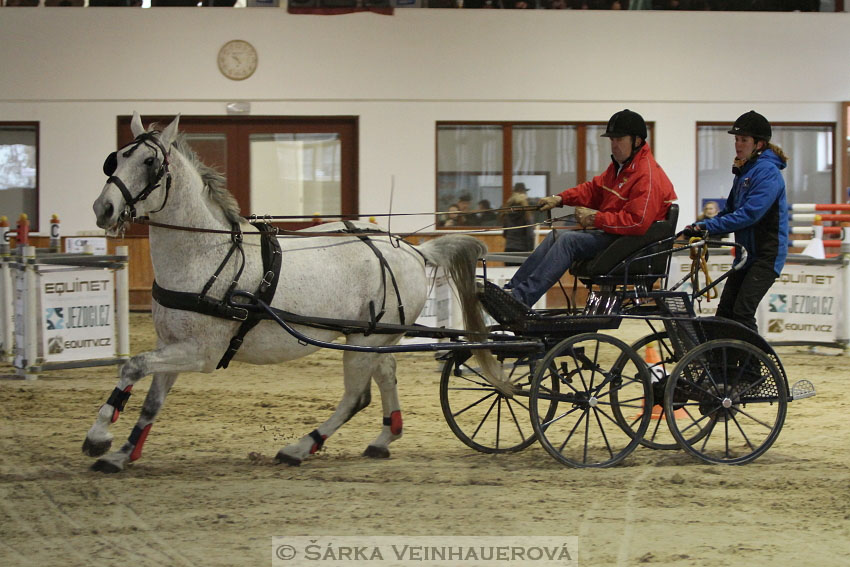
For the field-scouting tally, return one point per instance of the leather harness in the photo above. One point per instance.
(249, 313)
(224, 308)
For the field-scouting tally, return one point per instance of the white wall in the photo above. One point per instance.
(74, 70)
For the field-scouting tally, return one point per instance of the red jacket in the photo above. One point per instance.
(629, 202)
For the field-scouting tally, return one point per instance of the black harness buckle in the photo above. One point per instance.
(267, 281)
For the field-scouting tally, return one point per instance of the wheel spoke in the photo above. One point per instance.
(483, 419)
(573, 430)
(596, 413)
(514, 417)
(473, 404)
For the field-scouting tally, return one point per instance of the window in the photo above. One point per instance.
(297, 173)
(276, 165)
(809, 177)
(19, 171)
(479, 163)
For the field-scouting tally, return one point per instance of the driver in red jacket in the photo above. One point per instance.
(629, 196)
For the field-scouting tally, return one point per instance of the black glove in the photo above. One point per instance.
(694, 231)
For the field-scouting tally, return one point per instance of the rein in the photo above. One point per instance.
(300, 233)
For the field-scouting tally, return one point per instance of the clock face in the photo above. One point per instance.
(237, 59)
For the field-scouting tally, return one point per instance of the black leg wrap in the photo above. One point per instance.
(388, 421)
(317, 438)
(135, 435)
(118, 399)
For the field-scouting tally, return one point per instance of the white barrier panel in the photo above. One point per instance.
(70, 311)
(805, 305)
(439, 304)
(442, 308)
(77, 314)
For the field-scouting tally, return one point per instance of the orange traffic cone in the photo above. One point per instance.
(653, 360)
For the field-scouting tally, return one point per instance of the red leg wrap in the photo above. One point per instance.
(137, 450)
(316, 446)
(395, 422)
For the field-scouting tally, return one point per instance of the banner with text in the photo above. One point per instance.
(77, 308)
(802, 305)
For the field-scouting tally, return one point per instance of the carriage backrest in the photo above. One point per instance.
(608, 265)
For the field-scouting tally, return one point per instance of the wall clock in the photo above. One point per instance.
(237, 60)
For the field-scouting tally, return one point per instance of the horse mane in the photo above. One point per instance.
(214, 181)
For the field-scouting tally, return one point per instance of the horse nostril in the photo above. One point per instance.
(107, 211)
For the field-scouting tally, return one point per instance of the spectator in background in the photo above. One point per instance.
(465, 215)
(451, 217)
(486, 216)
(709, 210)
(520, 239)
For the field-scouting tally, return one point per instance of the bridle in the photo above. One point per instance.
(155, 173)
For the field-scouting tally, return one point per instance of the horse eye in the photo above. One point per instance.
(149, 161)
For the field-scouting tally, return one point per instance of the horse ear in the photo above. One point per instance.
(170, 133)
(136, 125)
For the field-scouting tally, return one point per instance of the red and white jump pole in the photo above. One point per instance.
(813, 207)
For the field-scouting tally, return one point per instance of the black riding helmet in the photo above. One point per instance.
(625, 123)
(752, 124)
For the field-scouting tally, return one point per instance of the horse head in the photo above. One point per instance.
(138, 177)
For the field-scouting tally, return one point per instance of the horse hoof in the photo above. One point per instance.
(96, 448)
(285, 459)
(105, 466)
(374, 452)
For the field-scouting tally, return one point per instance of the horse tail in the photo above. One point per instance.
(458, 254)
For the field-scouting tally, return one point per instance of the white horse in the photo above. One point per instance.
(336, 277)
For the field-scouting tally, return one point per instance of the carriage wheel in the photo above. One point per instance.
(595, 373)
(658, 435)
(481, 416)
(739, 395)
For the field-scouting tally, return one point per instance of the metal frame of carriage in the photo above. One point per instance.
(719, 391)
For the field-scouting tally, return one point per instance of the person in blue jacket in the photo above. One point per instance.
(757, 212)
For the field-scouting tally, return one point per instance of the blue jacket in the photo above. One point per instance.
(757, 211)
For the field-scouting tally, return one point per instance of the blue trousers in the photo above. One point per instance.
(552, 258)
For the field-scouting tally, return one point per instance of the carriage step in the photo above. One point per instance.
(501, 305)
(802, 389)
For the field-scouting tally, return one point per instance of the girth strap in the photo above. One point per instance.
(190, 301)
(385, 268)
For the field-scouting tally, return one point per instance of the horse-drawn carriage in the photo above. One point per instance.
(555, 376)
(716, 388)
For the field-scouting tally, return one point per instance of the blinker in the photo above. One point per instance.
(110, 164)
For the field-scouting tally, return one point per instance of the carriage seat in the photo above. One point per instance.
(601, 268)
